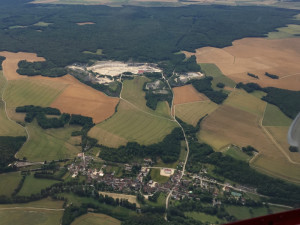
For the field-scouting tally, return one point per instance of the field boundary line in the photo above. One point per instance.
(274, 141)
(296, 74)
(192, 102)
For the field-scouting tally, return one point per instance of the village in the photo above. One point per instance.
(179, 187)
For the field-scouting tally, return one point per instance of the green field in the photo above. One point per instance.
(212, 70)
(240, 99)
(204, 217)
(30, 216)
(243, 212)
(236, 153)
(274, 117)
(9, 182)
(134, 125)
(34, 185)
(133, 92)
(43, 203)
(192, 112)
(32, 92)
(155, 176)
(7, 128)
(96, 219)
(290, 31)
(50, 144)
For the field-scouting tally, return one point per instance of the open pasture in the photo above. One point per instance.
(96, 219)
(257, 56)
(192, 112)
(134, 125)
(186, 94)
(274, 117)
(237, 153)
(9, 182)
(34, 185)
(50, 144)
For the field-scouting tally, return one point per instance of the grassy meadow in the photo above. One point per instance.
(132, 124)
(155, 175)
(9, 182)
(203, 217)
(95, 219)
(237, 153)
(50, 144)
(274, 117)
(34, 185)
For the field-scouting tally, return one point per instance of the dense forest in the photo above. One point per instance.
(149, 34)
(1, 60)
(8, 148)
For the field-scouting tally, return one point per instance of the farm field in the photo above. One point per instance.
(192, 112)
(7, 128)
(203, 217)
(134, 125)
(34, 185)
(65, 93)
(237, 122)
(95, 219)
(212, 70)
(43, 203)
(30, 216)
(133, 92)
(32, 92)
(187, 94)
(274, 117)
(9, 182)
(130, 198)
(257, 56)
(280, 135)
(50, 144)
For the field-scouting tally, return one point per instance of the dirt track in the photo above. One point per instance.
(257, 56)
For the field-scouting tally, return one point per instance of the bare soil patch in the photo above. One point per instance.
(10, 65)
(186, 94)
(85, 23)
(78, 98)
(257, 56)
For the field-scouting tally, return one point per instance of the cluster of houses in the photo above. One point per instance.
(178, 186)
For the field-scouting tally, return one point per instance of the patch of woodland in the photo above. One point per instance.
(286, 100)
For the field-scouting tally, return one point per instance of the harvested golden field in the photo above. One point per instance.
(130, 198)
(230, 125)
(10, 65)
(187, 94)
(257, 56)
(192, 112)
(65, 93)
(79, 98)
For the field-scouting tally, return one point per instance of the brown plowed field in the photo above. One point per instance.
(257, 56)
(10, 65)
(76, 98)
(186, 94)
(79, 98)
